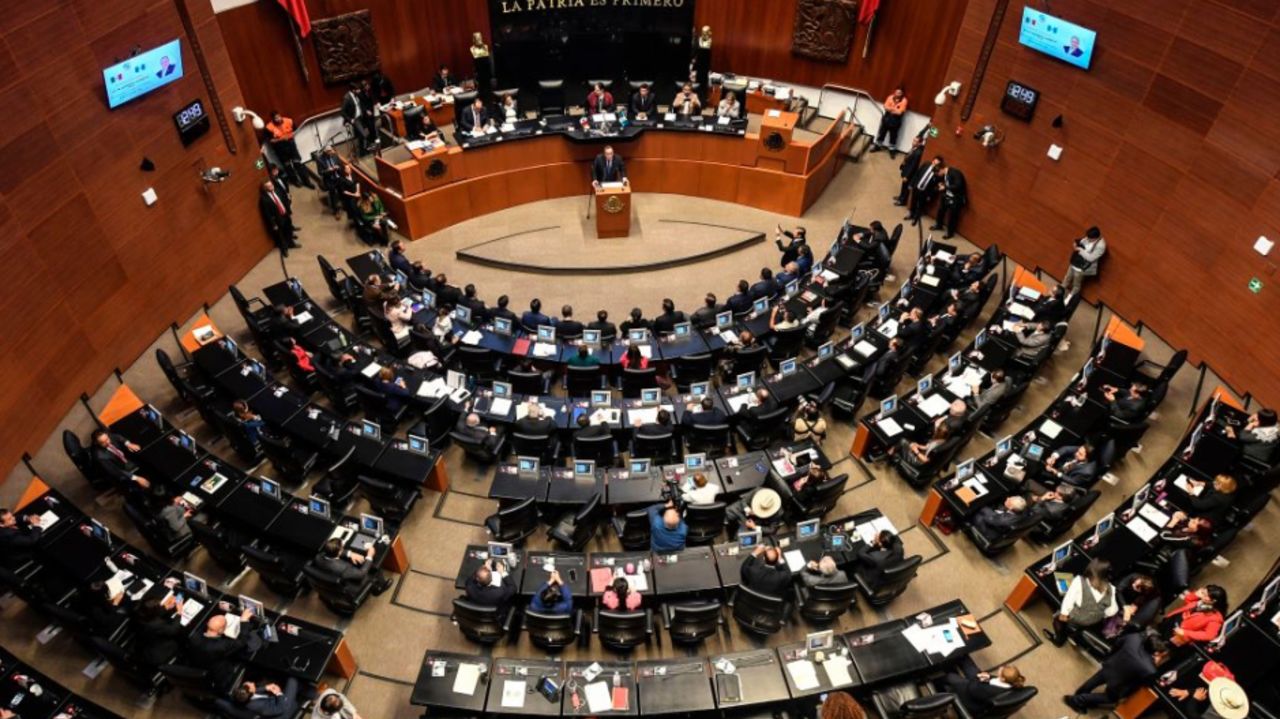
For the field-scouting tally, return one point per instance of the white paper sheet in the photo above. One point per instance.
(795, 559)
(1139, 526)
(513, 694)
(1152, 514)
(1050, 429)
(434, 389)
(371, 370)
(599, 698)
(935, 405)
(472, 337)
(889, 426)
(500, 406)
(464, 682)
(837, 669)
(803, 674)
(864, 348)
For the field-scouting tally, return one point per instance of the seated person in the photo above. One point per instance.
(503, 310)
(442, 327)
(705, 317)
(1089, 602)
(398, 314)
(299, 355)
(174, 515)
(995, 523)
(764, 404)
(332, 704)
(534, 424)
(912, 327)
(704, 413)
(686, 101)
(553, 597)
(1052, 505)
(956, 418)
(1031, 339)
(394, 389)
(353, 568)
(249, 421)
(106, 611)
(373, 214)
(267, 700)
(740, 302)
(608, 330)
(919, 455)
(470, 426)
(996, 387)
(510, 112)
(479, 313)
(1072, 465)
(804, 487)
(702, 491)
(636, 321)
(1129, 406)
(534, 318)
(1052, 308)
(969, 272)
(160, 634)
(1260, 437)
(568, 328)
(1212, 501)
(481, 589)
(600, 100)
(586, 430)
(584, 357)
(619, 594)
(474, 119)
(1198, 618)
(221, 655)
(633, 358)
(667, 530)
(657, 428)
(823, 571)
(758, 509)
(110, 458)
(643, 102)
(729, 106)
(871, 559)
(1139, 599)
(791, 250)
(665, 323)
(782, 319)
(765, 286)
(977, 690)
(18, 538)
(766, 572)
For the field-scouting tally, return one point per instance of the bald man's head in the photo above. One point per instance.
(671, 518)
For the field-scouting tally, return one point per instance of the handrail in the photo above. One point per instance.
(858, 94)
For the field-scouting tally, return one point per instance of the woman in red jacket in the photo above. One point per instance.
(1199, 618)
(634, 358)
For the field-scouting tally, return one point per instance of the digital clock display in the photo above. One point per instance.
(1019, 100)
(192, 121)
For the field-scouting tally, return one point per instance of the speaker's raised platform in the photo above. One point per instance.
(654, 244)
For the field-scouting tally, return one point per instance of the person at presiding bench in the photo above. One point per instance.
(1260, 437)
(765, 572)
(607, 167)
(267, 700)
(619, 594)
(481, 589)
(553, 597)
(976, 690)
(872, 559)
(667, 530)
(1133, 663)
(470, 426)
(643, 102)
(219, 654)
(474, 119)
(686, 102)
(353, 567)
(823, 571)
(995, 523)
(18, 539)
(112, 461)
(599, 100)
(729, 106)
(704, 413)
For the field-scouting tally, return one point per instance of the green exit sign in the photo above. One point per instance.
(1255, 285)
(259, 164)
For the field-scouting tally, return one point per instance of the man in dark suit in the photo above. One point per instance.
(608, 167)
(353, 112)
(907, 170)
(1072, 464)
(766, 286)
(1133, 662)
(469, 426)
(443, 79)
(329, 167)
(446, 294)
(267, 700)
(502, 311)
(889, 360)
(924, 184)
(665, 323)
(704, 413)
(473, 118)
(955, 195)
(643, 102)
(534, 424)
(1129, 405)
(533, 318)
(354, 568)
(568, 328)
(765, 572)
(399, 260)
(481, 590)
(586, 430)
(705, 317)
(911, 327)
(740, 301)
(277, 217)
(607, 329)
(108, 453)
(479, 313)
(995, 523)
(659, 427)
(18, 539)
(765, 403)
(871, 559)
(219, 654)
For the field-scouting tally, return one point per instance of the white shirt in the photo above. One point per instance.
(1074, 597)
(702, 495)
(348, 710)
(813, 315)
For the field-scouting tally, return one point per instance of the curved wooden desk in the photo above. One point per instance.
(425, 192)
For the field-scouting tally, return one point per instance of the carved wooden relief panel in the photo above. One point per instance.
(345, 46)
(824, 29)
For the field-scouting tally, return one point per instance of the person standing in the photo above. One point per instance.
(286, 149)
(907, 170)
(353, 116)
(1086, 255)
(330, 168)
(608, 167)
(955, 195)
(277, 217)
(924, 184)
(895, 108)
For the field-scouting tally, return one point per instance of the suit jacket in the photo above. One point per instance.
(568, 329)
(439, 82)
(531, 320)
(593, 431)
(653, 429)
(705, 317)
(400, 261)
(816, 579)
(352, 106)
(270, 706)
(490, 596)
(271, 214)
(773, 581)
(926, 172)
(282, 189)
(871, 561)
(975, 694)
(1080, 474)
(911, 163)
(666, 322)
(110, 464)
(753, 414)
(713, 416)
(955, 190)
(18, 543)
(160, 640)
(343, 569)
(764, 288)
(467, 121)
(607, 329)
(643, 103)
(1128, 666)
(535, 427)
(220, 655)
(739, 303)
(595, 103)
(504, 313)
(995, 522)
(604, 171)
(479, 434)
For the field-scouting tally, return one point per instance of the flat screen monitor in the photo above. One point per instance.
(1060, 554)
(270, 487)
(749, 539)
(502, 390)
(826, 350)
(858, 331)
(724, 320)
(99, 531)
(584, 468)
(500, 550)
(143, 73)
(699, 389)
(746, 380)
(418, 444)
(527, 466)
(502, 326)
(195, 585)
(370, 429)
(964, 470)
(638, 336)
(462, 313)
(808, 528)
(152, 415)
(649, 396)
(695, 462)
(793, 287)
(787, 367)
(1004, 446)
(253, 606)
(318, 507)
(1057, 38)
(818, 641)
(682, 330)
(924, 385)
(955, 363)
(601, 398)
(760, 306)
(546, 333)
(591, 338)
(1104, 526)
(980, 339)
(371, 524)
(884, 312)
(428, 299)
(888, 405)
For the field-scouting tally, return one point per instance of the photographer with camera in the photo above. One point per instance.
(667, 530)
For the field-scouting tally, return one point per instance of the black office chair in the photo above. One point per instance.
(391, 501)
(824, 498)
(544, 446)
(479, 450)
(438, 421)
(825, 603)
(479, 363)
(304, 381)
(1048, 529)
(691, 622)
(342, 286)
(485, 625)
(181, 377)
(530, 382)
(125, 663)
(157, 533)
(254, 311)
(341, 397)
(551, 97)
(930, 706)
(623, 631)
(375, 408)
(825, 326)
(553, 632)
(714, 440)
(225, 424)
(341, 597)
(747, 359)
(196, 685)
(226, 552)
(83, 461)
(922, 475)
(785, 344)
(773, 426)
(661, 448)
(993, 546)
(514, 523)
(705, 523)
(580, 381)
(758, 613)
(1163, 374)
(291, 461)
(282, 576)
(633, 530)
(602, 450)
(688, 369)
(634, 380)
(893, 581)
(574, 530)
(1003, 705)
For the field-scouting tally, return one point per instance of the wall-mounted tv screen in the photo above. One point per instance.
(1057, 38)
(143, 73)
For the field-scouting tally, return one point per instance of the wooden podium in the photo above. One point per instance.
(613, 211)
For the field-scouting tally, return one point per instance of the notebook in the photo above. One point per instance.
(464, 682)
(500, 406)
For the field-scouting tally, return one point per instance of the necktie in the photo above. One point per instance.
(476, 114)
(116, 451)
(279, 205)
(924, 181)
(608, 169)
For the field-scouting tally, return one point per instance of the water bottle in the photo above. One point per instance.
(617, 679)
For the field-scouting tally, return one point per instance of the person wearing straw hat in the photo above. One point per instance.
(761, 509)
(1197, 703)
(1227, 700)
